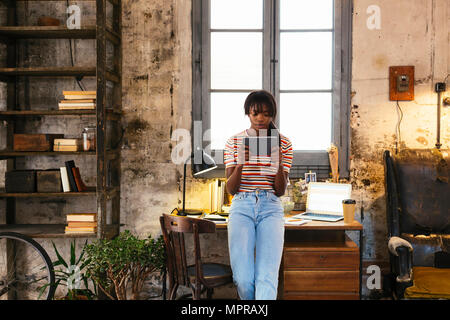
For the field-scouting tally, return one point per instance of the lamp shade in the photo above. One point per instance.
(206, 164)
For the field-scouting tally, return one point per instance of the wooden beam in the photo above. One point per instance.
(101, 117)
(48, 71)
(113, 37)
(90, 192)
(113, 2)
(37, 113)
(51, 230)
(111, 76)
(47, 32)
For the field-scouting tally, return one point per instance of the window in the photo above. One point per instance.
(298, 50)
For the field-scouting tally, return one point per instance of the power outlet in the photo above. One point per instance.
(401, 83)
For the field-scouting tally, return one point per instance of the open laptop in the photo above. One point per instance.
(324, 201)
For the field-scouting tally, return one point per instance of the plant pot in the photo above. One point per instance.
(78, 294)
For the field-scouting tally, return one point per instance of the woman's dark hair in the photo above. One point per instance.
(256, 101)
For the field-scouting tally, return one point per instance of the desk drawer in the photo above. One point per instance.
(321, 296)
(321, 259)
(321, 281)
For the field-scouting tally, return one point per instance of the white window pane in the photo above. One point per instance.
(227, 117)
(302, 14)
(236, 14)
(306, 60)
(236, 60)
(306, 118)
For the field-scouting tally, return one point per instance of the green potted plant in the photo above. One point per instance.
(71, 274)
(123, 261)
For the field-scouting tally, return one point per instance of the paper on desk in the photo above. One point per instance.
(216, 216)
(294, 222)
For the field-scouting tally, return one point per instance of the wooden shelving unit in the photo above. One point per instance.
(53, 231)
(110, 113)
(41, 32)
(107, 160)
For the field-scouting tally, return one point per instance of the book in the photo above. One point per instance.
(75, 107)
(79, 92)
(81, 217)
(77, 101)
(81, 224)
(80, 230)
(67, 142)
(80, 184)
(217, 194)
(65, 148)
(215, 218)
(78, 96)
(69, 165)
(64, 179)
(78, 104)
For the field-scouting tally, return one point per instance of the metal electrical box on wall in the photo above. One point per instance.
(401, 83)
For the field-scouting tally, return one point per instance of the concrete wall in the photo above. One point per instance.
(411, 33)
(157, 100)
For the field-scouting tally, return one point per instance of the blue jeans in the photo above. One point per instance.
(255, 241)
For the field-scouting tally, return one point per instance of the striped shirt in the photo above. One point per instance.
(259, 172)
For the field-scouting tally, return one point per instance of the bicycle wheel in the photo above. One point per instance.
(26, 271)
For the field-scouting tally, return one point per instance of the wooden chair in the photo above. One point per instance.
(200, 276)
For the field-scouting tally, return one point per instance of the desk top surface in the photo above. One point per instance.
(314, 225)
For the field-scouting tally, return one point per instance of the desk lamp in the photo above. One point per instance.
(205, 165)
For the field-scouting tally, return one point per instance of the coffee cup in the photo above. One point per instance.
(349, 210)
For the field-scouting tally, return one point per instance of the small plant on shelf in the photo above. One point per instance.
(123, 261)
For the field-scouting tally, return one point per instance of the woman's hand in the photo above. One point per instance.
(234, 178)
(281, 178)
(243, 154)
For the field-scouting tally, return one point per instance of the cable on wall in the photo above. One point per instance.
(397, 127)
(78, 79)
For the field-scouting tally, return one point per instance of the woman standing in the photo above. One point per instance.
(256, 224)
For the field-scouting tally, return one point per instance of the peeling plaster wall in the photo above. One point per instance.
(412, 33)
(157, 79)
(157, 84)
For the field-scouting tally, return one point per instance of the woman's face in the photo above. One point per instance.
(260, 120)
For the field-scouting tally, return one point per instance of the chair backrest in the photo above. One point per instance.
(173, 229)
(418, 192)
(392, 202)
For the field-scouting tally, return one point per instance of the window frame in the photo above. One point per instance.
(304, 161)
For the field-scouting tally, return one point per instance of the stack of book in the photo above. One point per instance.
(67, 144)
(217, 194)
(71, 178)
(81, 223)
(78, 100)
